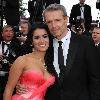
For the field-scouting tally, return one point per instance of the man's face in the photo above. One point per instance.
(82, 1)
(57, 23)
(7, 34)
(24, 28)
(96, 35)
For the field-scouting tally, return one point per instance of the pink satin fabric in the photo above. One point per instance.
(36, 85)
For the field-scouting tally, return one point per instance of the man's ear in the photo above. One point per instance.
(66, 18)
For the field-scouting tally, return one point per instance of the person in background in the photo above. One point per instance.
(80, 29)
(96, 37)
(72, 59)
(35, 9)
(81, 11)
(24, 28)
(30, 69)
(9, 51)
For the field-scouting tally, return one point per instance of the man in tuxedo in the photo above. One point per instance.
(79, 77)
(48, 2)
(77, 70)
(35, 9)
(81, 11)
(9, 51)
(11, 12)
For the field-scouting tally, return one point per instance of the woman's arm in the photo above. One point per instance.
(14, 74)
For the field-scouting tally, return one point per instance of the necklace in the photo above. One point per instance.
(41, 60)
(45, 67)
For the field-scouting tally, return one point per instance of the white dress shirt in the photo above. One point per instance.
(65, 47)
(5, 48)
(82, 12)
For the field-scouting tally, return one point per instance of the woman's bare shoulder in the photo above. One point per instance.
(21, 59)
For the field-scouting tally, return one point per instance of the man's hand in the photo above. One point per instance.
(21, 89)
(1, 57)
(22, 39)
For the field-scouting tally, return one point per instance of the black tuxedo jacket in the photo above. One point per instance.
(75, 11)
(98, 49)
(82, 74)
(35, 9)
(14, 52)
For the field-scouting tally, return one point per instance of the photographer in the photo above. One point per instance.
(81, 11)
(79, 28)
(24, 28)
(9, 51)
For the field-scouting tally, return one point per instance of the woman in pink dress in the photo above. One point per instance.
(30, 69)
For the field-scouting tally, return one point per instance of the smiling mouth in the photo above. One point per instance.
(43, 45)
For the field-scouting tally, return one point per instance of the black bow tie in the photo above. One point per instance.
(97, 45)
(4, 43)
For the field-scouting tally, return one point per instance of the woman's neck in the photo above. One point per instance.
(39, 55)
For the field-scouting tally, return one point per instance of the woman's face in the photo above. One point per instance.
(40, 40)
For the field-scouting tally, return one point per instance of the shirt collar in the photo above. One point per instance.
(7, 42)
(68, 35)
(97, 44)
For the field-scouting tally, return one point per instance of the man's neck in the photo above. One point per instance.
(8, 42)
(82, 4)
(62, 35)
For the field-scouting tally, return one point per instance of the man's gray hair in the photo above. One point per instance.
(55, 7)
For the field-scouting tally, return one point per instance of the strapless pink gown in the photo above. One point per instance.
(36, 85)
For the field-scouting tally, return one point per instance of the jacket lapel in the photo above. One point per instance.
(50, 58)
(70, 58)
(71, 52)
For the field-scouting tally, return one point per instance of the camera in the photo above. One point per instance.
(16, 31)
(4, 64)
(4, 60)
(79, 25)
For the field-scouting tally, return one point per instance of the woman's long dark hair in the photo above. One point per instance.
(30, 39)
